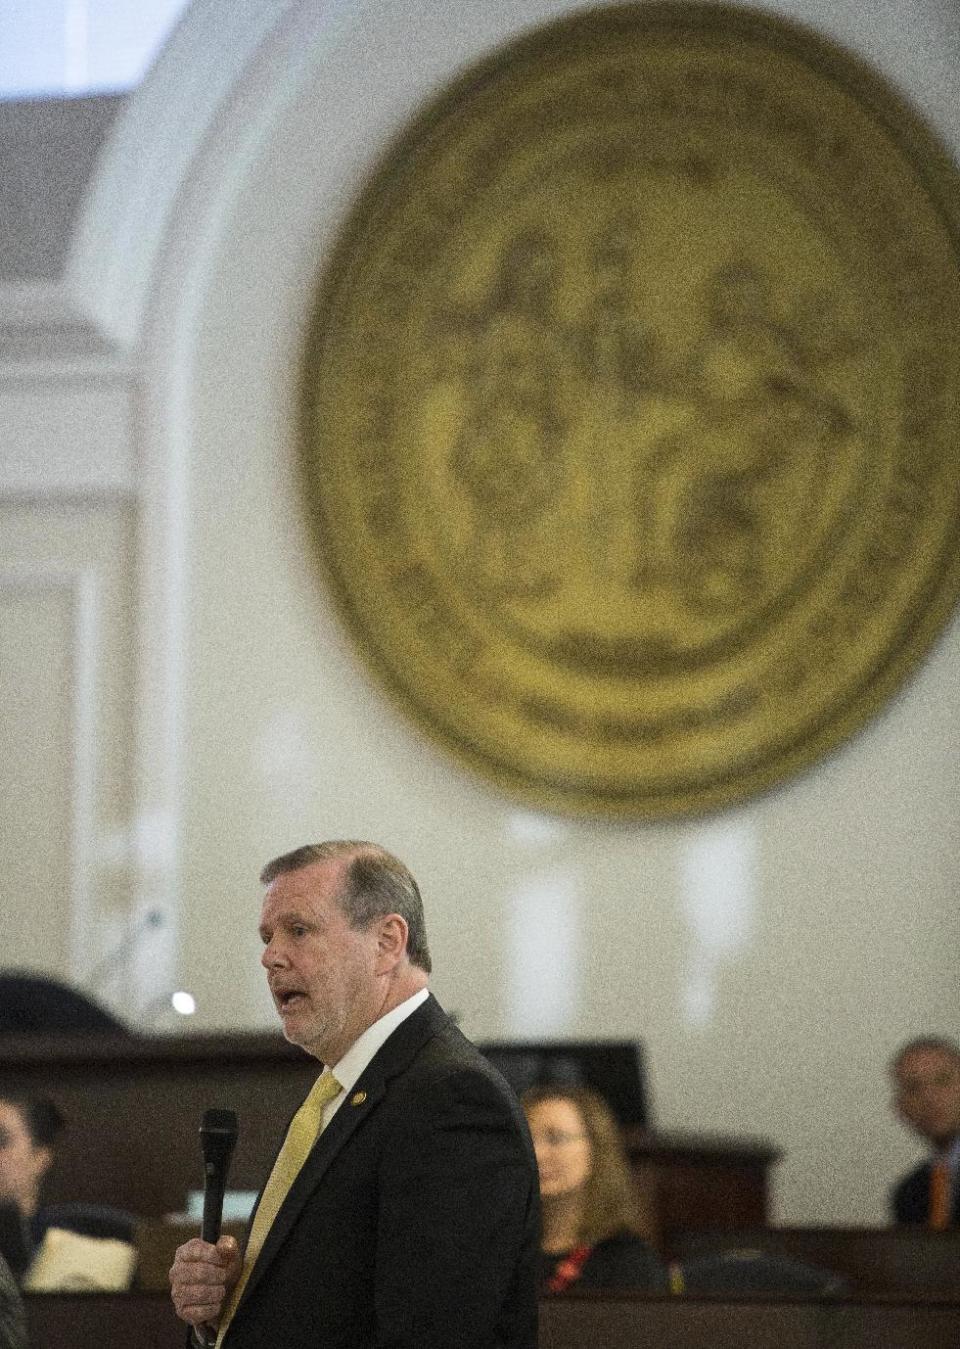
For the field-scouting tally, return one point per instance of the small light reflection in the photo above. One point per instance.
(184, 1003)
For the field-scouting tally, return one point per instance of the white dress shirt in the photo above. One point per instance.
(360, 1053)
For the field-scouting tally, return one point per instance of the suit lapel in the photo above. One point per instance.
(391, 1058)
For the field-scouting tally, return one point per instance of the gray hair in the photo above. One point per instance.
(374, 883)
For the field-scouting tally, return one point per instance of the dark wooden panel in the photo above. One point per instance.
(134, 1108)
(119, 1321)
(907, 1260)
(104, 1320)
(689, 1181)
(648, 1322)
(157, 1245)
(678, 1323)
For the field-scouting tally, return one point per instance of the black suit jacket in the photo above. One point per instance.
(414, 1223)
(911, 1199)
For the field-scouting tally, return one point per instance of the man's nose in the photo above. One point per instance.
(272, 956)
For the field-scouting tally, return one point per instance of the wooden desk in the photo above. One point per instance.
(134, 1107)
(691, 1181)
(888, 1261)
(650, 1322)
(146, 1321)
(133, 1110)
(103, 1321)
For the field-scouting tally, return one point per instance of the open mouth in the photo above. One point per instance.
(288, 1001)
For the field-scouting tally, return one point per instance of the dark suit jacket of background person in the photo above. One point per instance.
(911, 1199)
(414, 1223)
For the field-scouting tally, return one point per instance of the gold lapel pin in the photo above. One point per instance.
(358, 1098)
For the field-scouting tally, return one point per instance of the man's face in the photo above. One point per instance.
(324, 975)
(928, 1093)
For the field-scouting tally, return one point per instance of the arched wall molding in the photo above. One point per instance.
(151, 153)
(224, 182)
(232, 69)
(231, 76)
(224, 178)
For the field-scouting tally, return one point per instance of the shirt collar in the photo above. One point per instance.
(358, 1056)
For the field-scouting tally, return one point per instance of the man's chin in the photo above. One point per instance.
(298, 1034)
(293, 1030)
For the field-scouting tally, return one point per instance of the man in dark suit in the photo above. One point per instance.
(402, 1211)
(926, 1076)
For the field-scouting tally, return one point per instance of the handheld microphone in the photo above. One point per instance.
(218, 1134)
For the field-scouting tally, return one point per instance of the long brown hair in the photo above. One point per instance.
(610, 1197)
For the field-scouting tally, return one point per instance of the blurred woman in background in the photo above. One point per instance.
(29, 1128)
(591, 1235)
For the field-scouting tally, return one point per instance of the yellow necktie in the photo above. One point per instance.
(301, 1136)
(939, 1196)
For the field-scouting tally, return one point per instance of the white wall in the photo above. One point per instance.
(769, 957)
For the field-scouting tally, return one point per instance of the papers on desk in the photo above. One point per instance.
(68, 1263)
(237, 1205)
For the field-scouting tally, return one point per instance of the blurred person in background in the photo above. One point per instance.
(926, 1083)
(590, 1236)
(29, 1128)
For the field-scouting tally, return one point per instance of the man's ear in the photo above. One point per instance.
(392, 934)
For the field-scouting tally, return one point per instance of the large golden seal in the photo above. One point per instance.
(632, 407)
